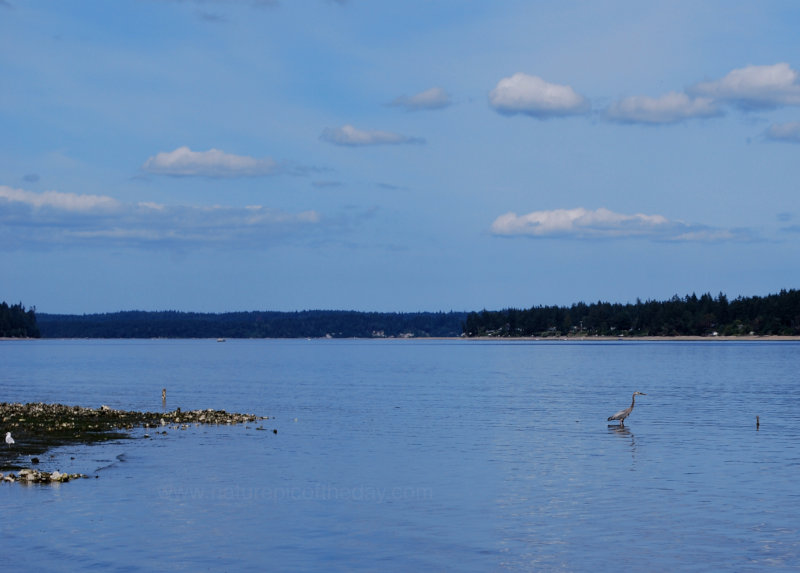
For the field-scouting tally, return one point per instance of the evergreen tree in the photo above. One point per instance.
(16, 322)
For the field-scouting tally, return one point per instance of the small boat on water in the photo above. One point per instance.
(220, 340)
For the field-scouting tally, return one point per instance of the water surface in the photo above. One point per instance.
(418, 455)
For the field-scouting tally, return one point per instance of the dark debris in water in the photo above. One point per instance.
(38, 427)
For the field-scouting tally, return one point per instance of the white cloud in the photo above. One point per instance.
(256, 3)
(54, 218)
(710, 235)
(750, 87)
(69, 202)
(788, 132)
(601, 223)
(754, 87)
(350, 136)
(531, 95)
(673, 107)
(184, 162)
(576, 222)
(434, 98)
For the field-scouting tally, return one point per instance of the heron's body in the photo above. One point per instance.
(9, 439)
(622, 414)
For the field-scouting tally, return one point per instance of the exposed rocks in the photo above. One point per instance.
(37, 427)
(35, 476)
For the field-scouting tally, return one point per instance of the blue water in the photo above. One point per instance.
(417, 456)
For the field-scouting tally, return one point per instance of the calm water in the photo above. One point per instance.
(418, 456)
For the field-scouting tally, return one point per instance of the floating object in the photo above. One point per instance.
(758, 422)
(622, 414)
(9, 439)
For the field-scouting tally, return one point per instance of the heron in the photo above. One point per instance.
(622, 414)
(9, 439)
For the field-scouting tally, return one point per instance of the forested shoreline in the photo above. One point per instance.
(774, 314)
(256, 324)
(16, 322)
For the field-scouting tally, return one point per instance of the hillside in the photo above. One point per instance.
(259, 324)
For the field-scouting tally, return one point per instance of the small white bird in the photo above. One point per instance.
(9, 439)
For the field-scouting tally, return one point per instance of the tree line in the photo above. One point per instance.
(706, 315)
(774, 314)
(16, 322)
(257, 324)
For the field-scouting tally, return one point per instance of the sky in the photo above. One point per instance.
(395, 156)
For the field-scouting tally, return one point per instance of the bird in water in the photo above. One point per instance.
(9, 439)
(622, 414)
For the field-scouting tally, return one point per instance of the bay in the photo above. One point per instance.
(398, 455)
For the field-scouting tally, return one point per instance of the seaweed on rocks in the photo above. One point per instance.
(38, 427)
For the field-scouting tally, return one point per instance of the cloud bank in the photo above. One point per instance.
(434, 98)
(183, 162)
(67, 202)
(349, 136)
(533, 96)
(673, 107)
(748, 88)
(786, 132)
(63, 219)
(602, 223)
(754, 87)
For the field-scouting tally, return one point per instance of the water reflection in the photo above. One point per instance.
(619, 430)
(624, 432)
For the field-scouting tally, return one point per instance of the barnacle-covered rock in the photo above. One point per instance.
(37, 427)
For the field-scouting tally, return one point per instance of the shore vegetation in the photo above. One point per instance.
(706, 315)
(17, 322)
(691, 315)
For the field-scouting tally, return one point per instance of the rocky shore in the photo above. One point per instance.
(37, 427)
(35, 476)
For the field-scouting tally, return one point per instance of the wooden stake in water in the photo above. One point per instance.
(758, 423)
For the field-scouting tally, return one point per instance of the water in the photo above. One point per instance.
(417, 456)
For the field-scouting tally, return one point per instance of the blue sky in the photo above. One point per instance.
(217, 155)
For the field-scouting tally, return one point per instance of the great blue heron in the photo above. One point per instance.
(9, 439)
(622, 414)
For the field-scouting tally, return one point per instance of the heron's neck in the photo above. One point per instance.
(633, 400)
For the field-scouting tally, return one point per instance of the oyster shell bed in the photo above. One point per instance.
(38, 427)
(35, 476)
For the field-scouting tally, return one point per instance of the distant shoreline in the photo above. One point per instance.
(743, 338)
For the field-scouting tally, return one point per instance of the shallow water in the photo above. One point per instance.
(418, 455)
